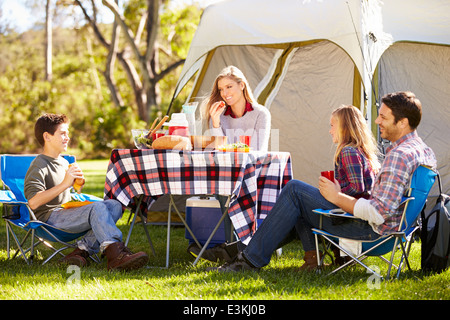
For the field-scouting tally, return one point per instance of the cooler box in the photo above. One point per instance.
(202, 216)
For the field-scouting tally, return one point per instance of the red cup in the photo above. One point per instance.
(245, 139)
(328, 174)
(156, 135)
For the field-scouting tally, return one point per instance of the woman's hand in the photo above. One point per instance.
(215, 111)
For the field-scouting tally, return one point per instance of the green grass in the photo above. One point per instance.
(278, 281)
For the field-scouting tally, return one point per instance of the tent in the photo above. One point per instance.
(419, 60)
(303, 58)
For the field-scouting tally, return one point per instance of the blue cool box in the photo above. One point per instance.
(202, 215)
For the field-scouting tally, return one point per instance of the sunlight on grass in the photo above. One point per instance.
(280, 280)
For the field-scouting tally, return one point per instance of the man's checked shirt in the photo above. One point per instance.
(402, 159)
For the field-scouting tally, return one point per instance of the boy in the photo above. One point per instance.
(47, 185)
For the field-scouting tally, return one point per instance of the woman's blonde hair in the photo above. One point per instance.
(352, 130)
(234, 74)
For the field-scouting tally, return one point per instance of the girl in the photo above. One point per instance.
(356, 164)
(356, 157)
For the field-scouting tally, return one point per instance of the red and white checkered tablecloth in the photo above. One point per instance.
(254, 180)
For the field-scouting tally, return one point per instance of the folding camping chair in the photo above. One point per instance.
(421, 183)
(18, 215)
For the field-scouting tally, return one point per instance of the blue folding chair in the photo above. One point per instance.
(421, 183)
(18, 214)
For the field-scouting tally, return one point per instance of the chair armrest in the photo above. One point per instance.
(6, 196)
(84, 197)
(405, 200)
(21, 205)
(342, 214)
(334, 213)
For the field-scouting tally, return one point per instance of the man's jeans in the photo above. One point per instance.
(293, 209)
(99, 218)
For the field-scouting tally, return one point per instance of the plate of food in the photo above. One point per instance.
(234, 147)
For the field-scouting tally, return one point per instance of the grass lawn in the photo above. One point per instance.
(278, 281)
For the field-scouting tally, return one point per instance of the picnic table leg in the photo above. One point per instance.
(139, 213)
(133, 222)
(168, 233)
(184, 222)
(172, 204)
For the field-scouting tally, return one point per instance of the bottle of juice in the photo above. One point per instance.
(78, 183)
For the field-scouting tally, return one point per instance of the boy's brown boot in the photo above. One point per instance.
(121, 258)
(77, 257)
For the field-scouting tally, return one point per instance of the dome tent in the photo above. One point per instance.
(303, 58)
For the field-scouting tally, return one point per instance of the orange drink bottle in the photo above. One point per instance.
(78, 183)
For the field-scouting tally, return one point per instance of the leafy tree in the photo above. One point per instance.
(79, 87)
(139, 55)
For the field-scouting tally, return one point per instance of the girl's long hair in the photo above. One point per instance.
(228, 72)
(353, 131)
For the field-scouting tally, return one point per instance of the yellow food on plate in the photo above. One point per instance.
(234, 147)
(75, 204)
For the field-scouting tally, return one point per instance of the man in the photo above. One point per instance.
(47, 186)
(399, 116)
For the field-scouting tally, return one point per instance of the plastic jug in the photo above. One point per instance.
(179, 125)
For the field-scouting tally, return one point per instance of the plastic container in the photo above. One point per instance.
(189, 111)
(202, 216)
(179, 125)
(158, 134)
(78, 182)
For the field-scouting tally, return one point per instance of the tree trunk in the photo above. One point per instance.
(144, 66)
(48, 42)
(110, 62)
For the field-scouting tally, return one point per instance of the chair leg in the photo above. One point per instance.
(19, 244)
(405, 256)
(35, 241)
(54, 254)
(32, 245)
(7, 241)
(319, 261)
(131, 229)
(358, 259)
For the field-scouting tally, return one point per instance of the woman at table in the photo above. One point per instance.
(232, 111)
(356, 164)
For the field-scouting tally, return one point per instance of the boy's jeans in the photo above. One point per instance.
(293, 209)
(99, 218)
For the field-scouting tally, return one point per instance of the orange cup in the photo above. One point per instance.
(328, 174)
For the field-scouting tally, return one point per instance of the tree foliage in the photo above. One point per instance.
(78, 87)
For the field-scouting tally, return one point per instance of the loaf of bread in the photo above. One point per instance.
(172, 142)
